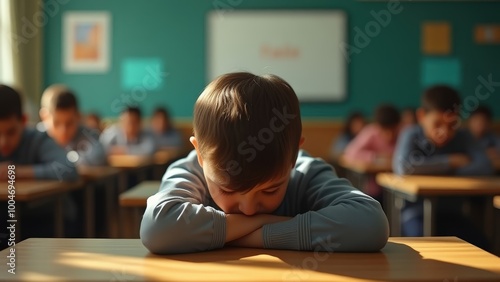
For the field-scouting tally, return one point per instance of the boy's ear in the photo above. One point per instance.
(193, 141)
(420, 113)
(301, 142)
(44, 113)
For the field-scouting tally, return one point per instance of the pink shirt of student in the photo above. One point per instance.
(369, 143)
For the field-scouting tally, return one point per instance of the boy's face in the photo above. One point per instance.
(439, 127)
(62, 125)
(131, 125)
(159, 123)
(390, 135)
(479, 125)
(262, 199)
(11, 131)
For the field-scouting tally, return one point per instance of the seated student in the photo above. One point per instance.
(376, 143)
(163, 131)
(436, 146)
(35, 156)
(61, 119)
(93, 121)
(408, 117)
(128, 138)
(34, 153)
(247, 184)
(352, 126)
(480, 125)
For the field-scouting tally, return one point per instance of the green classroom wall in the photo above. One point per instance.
(386, 70)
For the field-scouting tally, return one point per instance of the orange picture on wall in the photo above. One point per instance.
(86, 42)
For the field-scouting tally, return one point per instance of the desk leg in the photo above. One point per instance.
(59, 217)
(429, 216)
(122, 187)
(111, 215)
(137, 223)
(489, 219)
(89, 211)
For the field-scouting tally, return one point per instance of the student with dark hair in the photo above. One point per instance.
(166, 136)
(93, 121)
(480, 125)
(437, 146)
(31, 154)
(247, 183)
(354, 123)
(127, 137)
(408, 117)
(376, 143)
(34, 154)
(61, 119)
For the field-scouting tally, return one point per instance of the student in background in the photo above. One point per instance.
(437, 146)
(166, 136)
(352, 126)
(34, 154)
(408, 118)
(127, 137)
(481, 126)
(93, 121)
(262, 193)
(376, 143)
(61, 119)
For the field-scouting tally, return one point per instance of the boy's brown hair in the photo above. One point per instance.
(441, 98)
(58, 97)
(248, 127)
(387, 116)
(10, 103)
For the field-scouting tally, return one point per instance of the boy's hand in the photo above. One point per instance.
(118, 150)
(252, 240)
(458, 160)
(239, 225)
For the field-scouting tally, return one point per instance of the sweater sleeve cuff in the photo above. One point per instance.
(293, 234)
(219, 236)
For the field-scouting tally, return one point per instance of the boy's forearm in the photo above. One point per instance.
(252, 240)
(239, 225)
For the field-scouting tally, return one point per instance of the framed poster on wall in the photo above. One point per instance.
(303, 47)
(86, 42)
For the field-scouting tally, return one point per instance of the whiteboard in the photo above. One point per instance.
(303, 47)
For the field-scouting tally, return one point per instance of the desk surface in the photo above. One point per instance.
(93, 173)
(164, 155)
(364, 167)
(137, 196)
(129, 161)
(403, 259)
(424, 185)
(27, 190)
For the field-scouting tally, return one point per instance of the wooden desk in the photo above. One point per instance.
(364, 167)
(357, 172)
(34, 190)
(403, 259)
(412, 187)
(102, 176)
(134, 202)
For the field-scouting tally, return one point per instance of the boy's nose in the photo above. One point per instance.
(247, 207)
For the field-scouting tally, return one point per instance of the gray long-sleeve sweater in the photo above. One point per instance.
(328, 214)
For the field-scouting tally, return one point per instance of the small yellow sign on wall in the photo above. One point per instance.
(436, 38)
(487, 34)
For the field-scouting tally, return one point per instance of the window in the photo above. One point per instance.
(6, 69)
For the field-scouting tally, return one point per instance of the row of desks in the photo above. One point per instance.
(29, 191)
(402, 259)
(429, 189)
